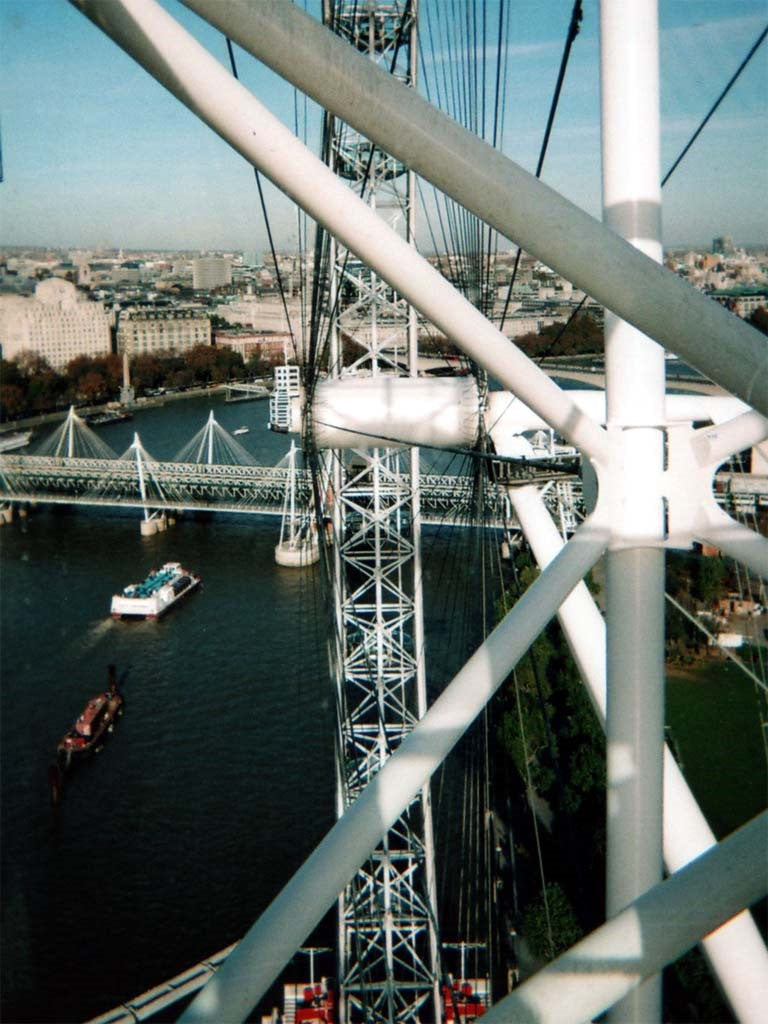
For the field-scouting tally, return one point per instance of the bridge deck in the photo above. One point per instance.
(250, 490)
(260, 490)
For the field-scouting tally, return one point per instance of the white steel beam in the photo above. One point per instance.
(498, 191)
(296, 910)
(172, 56)
(635, 400)
(654, 930)
(733, 539)
(736, 951)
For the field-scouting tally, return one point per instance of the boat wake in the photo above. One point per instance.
(96, 632)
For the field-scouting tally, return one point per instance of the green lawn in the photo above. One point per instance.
(714, 721)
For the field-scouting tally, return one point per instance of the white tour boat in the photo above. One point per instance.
(160, 591)
(19, 439)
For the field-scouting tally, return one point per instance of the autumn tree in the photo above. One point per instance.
(147, 371)
(201, 360)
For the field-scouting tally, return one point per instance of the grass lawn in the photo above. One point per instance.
(714, 720)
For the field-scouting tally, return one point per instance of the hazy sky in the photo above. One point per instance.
(96, 153)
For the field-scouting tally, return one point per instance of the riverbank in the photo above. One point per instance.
(145, 402)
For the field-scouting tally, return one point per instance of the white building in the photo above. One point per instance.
(59, 324)
(518, 326)
(162, 330)
(209, 272)
(268, 316)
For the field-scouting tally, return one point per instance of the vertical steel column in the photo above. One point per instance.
(635, 412)
(736, 950)
(387, 922)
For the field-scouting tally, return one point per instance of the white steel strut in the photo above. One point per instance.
(635, 413)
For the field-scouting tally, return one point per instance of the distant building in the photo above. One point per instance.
(59, 324)
(518, 326)
(162, 330)
(130, 271)
(743, 301)
(723, 244)
(209, 272)
(273, 346)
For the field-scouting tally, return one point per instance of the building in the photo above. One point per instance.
(723, 244)
(518, 326)
(743, 301)
(59, 324)
(267, 317)
(144, 329)
(210, 272)
(273, 346)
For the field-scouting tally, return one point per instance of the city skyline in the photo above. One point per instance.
(97, 155)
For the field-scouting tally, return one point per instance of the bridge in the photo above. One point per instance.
(74, 467)
(180, 486)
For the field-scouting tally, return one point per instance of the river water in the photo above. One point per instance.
(219, 778)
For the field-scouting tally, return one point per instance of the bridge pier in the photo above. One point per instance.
(6, 514)
(156, 523)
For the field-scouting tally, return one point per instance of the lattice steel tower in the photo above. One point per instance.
(387, 924)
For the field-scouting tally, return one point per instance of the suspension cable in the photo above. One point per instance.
(664, 180)
(715, 105)
(267, 223)
(573, 30)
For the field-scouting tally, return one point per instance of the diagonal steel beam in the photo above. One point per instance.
(736, 951)
(500, 192)
(172, 56)
(294, 912)
(651, 932)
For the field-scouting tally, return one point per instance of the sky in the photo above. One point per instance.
(97, 154)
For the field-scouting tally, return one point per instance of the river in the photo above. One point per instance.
(219, 778)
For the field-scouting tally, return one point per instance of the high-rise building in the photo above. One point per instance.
(209, 272)
(59, 324)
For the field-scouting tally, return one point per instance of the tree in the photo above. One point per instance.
(228, 364)
(201, 360)
(759, 319)
(92, 386)
(147, 371)
(582, 336)
(708, 579)
(103, 375)
(13, 401)
(549, 923)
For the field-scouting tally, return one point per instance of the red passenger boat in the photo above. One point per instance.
(93, 724)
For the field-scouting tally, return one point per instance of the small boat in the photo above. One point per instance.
(18, 439)
(93, 724)
(109, 416)
(160, 591)
(241, 430)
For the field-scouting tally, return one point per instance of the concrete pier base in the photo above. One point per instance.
(155, 524)
(148, 527)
